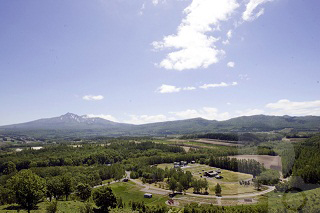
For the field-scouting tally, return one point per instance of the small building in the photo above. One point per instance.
(210, 174)
(147, 195)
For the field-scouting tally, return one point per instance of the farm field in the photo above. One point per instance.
(203, 143)
(270, 162)
(217, 142)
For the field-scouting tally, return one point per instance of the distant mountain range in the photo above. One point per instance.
(73, 125)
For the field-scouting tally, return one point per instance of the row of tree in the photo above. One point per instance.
(246, 166)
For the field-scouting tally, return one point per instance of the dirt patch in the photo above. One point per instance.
(172, 202)
(186, 148)
(270, 162)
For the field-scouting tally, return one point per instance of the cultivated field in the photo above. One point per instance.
(270, 162)
(205, 141)
(218, 142)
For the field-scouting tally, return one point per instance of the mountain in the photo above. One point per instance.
(73, 125)
(67, 121)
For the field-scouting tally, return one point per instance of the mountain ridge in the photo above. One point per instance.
(73, 124)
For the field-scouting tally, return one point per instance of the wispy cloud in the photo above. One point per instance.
(143, 119)
(188, 88)
(193, 47)
(107, 117)
(143, 7)
(222, 84)
(156, 2)
(209, 113)
(249, 14)
(244, 77)
(249, 112)
(92, 97)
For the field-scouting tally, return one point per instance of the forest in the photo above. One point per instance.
(71, 172)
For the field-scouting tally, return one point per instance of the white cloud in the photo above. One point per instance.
(143, 119)
(231, 64)
(107, 117)
(209, 113)
(248, 14)
(188, 88)
(229, 34)
(168, 89)
(171, 89)
(93, 97)
(287, 107)
(193, 47)
(222, 84)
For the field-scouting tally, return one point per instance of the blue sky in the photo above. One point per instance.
(145, 61)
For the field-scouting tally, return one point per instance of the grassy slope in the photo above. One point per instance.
(308, 200)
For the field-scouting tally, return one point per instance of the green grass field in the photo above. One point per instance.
(131, 192)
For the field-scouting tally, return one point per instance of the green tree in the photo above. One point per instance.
(83, 191)
(8, 168)
(6, 196)
(296, 182)
(257, 184)
(54, 187)
(67, 186)
(104, 198)
(28, 187)
(173, 184)
(87, 208)
(218, 190)
(52, 207)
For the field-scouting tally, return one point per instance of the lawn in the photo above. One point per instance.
(129, 191)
